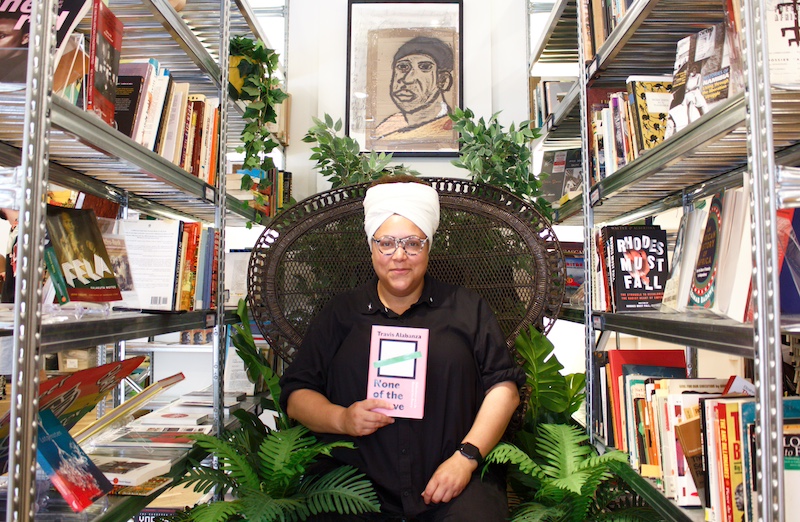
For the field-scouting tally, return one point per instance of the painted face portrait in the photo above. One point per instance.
(415, 82)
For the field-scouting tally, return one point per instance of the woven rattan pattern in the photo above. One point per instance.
(488, 240)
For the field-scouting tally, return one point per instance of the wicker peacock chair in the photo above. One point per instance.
(488, 240)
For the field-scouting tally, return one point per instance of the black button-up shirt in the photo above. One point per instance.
(467, 355)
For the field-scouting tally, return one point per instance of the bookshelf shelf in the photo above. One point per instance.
(708, 148)
(755, 133)
(563, 128)
(644, 487)
(557, 43)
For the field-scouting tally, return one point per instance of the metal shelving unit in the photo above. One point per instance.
(756, 133)
(56, 141)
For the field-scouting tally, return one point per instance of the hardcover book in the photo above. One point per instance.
(72, 473)
(82, 255)
(104, 53)
(154, 255)
(165, 416)
(398, 365)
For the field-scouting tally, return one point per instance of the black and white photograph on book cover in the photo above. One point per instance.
(404, 76)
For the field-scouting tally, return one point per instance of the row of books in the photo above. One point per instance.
(694, 437)
(601, 17)
(267, 191)
(165, 265)
(562, 175)
(710, 270)
(545, 97)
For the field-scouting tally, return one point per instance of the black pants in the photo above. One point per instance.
(481, 501)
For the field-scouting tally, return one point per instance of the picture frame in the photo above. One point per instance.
(404, 63)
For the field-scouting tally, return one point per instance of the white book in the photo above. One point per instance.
(126, 471)
(208, 137)
(155, 109)
(164, 416)
(172, 139)
(153, 255)
(205, 409)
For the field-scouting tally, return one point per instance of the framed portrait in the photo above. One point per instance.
(404, 76)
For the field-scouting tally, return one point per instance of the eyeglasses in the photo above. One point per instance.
(388, 245)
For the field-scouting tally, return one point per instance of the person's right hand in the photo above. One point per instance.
(359, 420)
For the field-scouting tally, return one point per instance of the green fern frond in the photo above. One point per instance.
(505, 453)
(216, 512)
(641, 514)
(601, 461)
(230, 460)
(205, 478)
(257, 506)
(562, 448)
(281, 460)
(533, 512)
(343, 490)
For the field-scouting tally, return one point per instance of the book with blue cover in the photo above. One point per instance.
(70, 470)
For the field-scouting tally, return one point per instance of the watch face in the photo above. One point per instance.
(470, 451)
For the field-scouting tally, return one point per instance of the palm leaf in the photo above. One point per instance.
(343, 490)
(230, 460)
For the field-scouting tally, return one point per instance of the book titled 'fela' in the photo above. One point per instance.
(81, 254)
(398, 365)
(639, 265)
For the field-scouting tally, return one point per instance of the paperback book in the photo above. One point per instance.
(153, 436)
(104, 54)
(398, 364)
(81, 254)
(70, 470)
(637, 258)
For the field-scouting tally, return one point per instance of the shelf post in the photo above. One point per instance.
(30, 255)
(768, 357)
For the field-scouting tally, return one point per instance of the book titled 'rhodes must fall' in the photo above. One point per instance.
(398, 365)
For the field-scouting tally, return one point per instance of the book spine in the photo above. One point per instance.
(186, 148)
(177, 278)
(724, 461)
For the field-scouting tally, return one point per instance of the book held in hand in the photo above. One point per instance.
(398, 363)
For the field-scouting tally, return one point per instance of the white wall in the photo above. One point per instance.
(495, 75)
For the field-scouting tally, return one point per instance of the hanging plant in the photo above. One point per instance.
(252, 80)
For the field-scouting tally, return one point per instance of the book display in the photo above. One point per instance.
(131, 166)
(716, 152)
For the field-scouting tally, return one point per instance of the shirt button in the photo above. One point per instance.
(406, 493)
(403, 451)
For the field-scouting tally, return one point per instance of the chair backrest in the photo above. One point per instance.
(488, 240)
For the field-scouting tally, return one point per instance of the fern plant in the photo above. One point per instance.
(563, 479)
(266, 473)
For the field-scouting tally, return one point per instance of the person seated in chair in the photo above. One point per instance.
(423, 469)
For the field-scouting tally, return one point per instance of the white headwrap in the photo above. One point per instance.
(416, 202)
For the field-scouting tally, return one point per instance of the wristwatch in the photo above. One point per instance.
(471, 452)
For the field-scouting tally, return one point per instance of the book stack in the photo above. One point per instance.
(267, 191)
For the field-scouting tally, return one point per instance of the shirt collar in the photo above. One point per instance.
(431, 295)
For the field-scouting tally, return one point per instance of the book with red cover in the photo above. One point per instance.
(398, 365)
(104, 53)
(72, 396)
(70, 470)
(616, 358)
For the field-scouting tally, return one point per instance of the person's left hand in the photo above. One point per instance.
(449, 479)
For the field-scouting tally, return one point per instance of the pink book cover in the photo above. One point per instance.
(398, 365)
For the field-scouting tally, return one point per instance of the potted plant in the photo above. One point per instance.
(264, 474)
(498, 156)
(252, 79)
